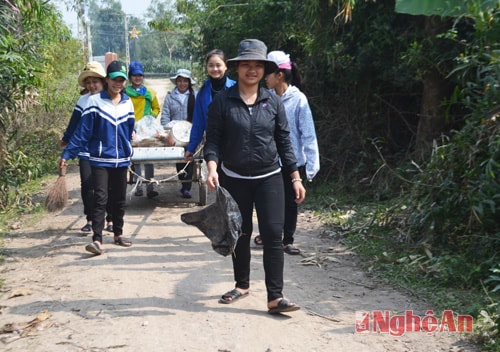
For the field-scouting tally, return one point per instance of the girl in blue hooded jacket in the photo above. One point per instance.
(217, 82)
(106, 129)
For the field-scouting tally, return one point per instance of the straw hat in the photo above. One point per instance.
(92, 69)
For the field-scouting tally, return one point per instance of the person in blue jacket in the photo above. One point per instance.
(217, 82)
(106, 129)
(92, 79)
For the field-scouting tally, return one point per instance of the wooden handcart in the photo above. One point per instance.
(172, 156)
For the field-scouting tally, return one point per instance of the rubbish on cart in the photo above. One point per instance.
(149, 133)
(178, 132)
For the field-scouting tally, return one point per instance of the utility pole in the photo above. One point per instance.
(89, 39)
(81, 29)
(127, 47)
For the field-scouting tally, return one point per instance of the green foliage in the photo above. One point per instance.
(451, 208)
(441, 7)
(488, 322)
(212, 24)
(35, 158)
(455, 202)
(369, 228)
(370, 86)
(494, 279)
(107, 27)
(38, 64)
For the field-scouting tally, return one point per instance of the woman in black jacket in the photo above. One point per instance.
(247, 133)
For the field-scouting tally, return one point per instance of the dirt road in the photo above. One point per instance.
(162, 293)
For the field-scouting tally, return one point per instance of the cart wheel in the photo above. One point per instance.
(203, 193)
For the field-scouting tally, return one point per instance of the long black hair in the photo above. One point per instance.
(292, 76)
(191, 100)
(217, 52)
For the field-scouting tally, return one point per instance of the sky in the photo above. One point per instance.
(135, 7)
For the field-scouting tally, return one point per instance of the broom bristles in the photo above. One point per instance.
(57, 198)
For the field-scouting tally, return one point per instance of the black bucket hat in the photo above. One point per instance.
(253, 49)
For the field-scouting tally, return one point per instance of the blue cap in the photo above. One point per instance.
(135, 68)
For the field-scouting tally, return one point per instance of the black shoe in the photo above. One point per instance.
(139, 193)
(152, 194)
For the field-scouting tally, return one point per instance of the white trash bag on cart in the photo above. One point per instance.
(148, 128)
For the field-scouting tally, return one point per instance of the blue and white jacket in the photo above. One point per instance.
(74, 121)
(302, 131)
(200, 114)
(106, 129)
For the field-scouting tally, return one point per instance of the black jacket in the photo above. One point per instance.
(249, 144)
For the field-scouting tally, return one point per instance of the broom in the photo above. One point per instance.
(57, 198)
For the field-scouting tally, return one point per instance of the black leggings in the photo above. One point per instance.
(291, 208)
(109, 183)
(267, 195)
(87, 191)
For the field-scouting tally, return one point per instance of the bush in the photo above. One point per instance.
(455, 202)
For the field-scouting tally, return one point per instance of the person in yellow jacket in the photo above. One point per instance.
(145, 104)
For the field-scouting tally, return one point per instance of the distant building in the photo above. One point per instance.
(100, 59)
(106, 59)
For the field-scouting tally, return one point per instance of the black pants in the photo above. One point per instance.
(267, 196)
(291, 208)
(187, 176)
(87, 191)
(109, 184)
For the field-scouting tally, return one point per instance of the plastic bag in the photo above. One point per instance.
(148, 127)
(220, 222)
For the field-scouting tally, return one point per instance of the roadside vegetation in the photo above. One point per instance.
(406, 102)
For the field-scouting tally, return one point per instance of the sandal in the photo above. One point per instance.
(109, 228)
(94, 248)
(86, 228)
(258, 240)
(119, 241)
(291, 249)
(283, 306)
(232, 296)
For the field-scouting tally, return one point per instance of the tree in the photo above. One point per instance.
(107, 27)
(30, 32)
(166, 22)
(37, 55)
(436, 86)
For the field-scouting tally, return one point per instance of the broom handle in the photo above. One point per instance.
(62, 170)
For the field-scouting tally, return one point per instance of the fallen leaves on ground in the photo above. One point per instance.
(18, 330)
(20, 292)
